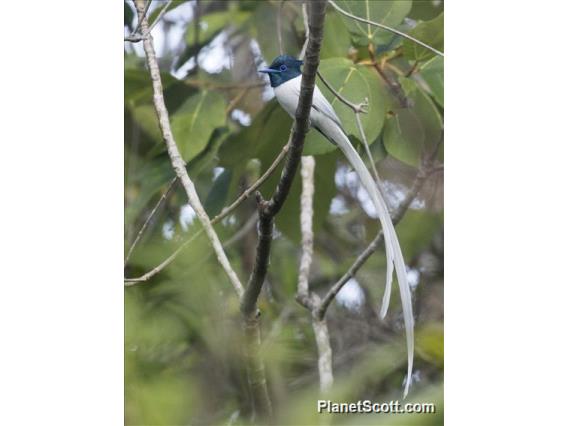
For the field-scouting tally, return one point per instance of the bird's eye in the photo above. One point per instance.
(283, 67)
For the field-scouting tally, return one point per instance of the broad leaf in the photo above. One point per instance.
(433, 75)
(390, 13)
(264, 31)
(355, 83)
(429, 32)
(217, 197)
(336, 37)
(412, 132)
(194, 122)
(212, 24)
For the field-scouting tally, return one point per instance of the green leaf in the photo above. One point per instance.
(288, 219)
(158, 10)
(145, 116)
(430, 342)
(138, 86)
(424, 10)
(150, 178)
(128, 16)
(217, 196)
(429, 32)
(390, 13)
(355, 83)
(212, 24)
(264, 30)
(194, 122)
(433, 75)
(412, 132)
(416, 230)
(336, 37)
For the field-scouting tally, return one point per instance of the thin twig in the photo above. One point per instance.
(162, 12)
(136, 36)
(175, 157)
(412, 69)
(224, 213)
(149, 218)
(304, 296)
(426, 170)
(385, 27)
(236, 100)
(135, 32)
(243, 230)
(357, 108)
(223, 86)
(306, 29)
(368, 151)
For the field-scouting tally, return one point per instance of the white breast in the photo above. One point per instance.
(288, 94)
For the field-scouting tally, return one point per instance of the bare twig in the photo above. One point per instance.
(135, 36)
(385, 27)
(223, 86)
(357, 108)
(137, 29)
(224, 213)
(177, 162)
(243, 230)
(324, 353)
(306, 29)
(162, 12)
(306, 217)
(368, 151)
(149, 218)
(267, 210)
(304, 296)
(234, 102)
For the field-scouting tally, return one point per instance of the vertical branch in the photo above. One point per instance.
(306, 298)
(175, 157)
(267, 210)
(324, 354)
(306, 216)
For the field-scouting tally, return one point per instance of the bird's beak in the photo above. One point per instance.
(269, 71)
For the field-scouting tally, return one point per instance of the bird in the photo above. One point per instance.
(285, 76)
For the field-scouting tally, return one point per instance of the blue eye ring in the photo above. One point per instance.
(283, 67)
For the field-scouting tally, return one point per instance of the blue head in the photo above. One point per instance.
(282, 69)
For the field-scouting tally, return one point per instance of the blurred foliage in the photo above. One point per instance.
(183, 348)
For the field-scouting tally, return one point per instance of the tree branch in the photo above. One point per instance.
(425, 171)
(177, 162)
(385, 27)
(306, 216)
(224, 213)
(269, 209)
(149, 218)
(135, 37)
(304, 296)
